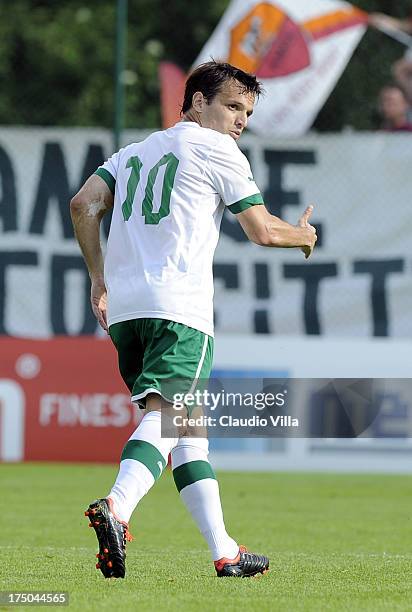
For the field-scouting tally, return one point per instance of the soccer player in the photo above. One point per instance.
(155, 296)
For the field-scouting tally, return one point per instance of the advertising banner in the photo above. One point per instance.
(62, 400)
(356, 284)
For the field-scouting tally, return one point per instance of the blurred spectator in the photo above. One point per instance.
(394, 109)
(402, 73)
(402, 69)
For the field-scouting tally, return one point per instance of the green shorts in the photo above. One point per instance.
(154, 354)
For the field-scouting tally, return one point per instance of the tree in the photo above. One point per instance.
(57, 61)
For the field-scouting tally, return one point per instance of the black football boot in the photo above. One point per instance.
(246, 564)
(112, 535)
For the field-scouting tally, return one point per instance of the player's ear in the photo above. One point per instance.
(198, 101)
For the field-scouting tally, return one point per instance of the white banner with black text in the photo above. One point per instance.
(356, 284)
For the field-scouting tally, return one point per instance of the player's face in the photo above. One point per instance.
(393, 103)
(229, 111)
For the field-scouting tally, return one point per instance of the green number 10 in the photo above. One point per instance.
(150, 217)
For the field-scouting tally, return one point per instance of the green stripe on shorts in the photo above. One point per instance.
(145, 453)
(163, 355)
(188, 473)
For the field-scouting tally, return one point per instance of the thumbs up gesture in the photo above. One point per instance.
(312, 237)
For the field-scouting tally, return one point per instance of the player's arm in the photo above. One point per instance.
(380, 20)
(402, 73)
(87, 209)
(268, 230)
(231, 176)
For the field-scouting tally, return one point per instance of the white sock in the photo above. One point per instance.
(199, 490)
(143, 460)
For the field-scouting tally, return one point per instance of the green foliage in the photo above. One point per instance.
(57, 60)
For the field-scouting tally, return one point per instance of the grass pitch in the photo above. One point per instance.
(335, 542)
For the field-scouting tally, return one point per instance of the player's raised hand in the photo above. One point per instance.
(98, 299)
(384, 22)
(312, 237)
(304, 218)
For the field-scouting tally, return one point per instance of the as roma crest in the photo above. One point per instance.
(269, 43)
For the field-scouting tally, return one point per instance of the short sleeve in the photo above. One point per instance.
(232, 177)
(108, 171)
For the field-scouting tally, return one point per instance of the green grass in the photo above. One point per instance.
(336, 542)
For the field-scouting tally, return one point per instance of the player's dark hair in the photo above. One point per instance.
(210, 77)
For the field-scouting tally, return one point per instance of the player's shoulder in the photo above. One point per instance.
(129, 149)
(225, 149)
(194, 133)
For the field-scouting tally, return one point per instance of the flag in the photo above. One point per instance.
(172, 87)
(297, 48)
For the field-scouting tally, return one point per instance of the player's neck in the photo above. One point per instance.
(192, 115)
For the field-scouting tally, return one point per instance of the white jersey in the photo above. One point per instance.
(170, 193)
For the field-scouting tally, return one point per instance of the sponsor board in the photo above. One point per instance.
(62, 400)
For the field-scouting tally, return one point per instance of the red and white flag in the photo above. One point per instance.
(297, 48)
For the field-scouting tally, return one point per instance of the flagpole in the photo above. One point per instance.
(398, 35)
(121, 34)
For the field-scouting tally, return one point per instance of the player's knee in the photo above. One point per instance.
(154, 402)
